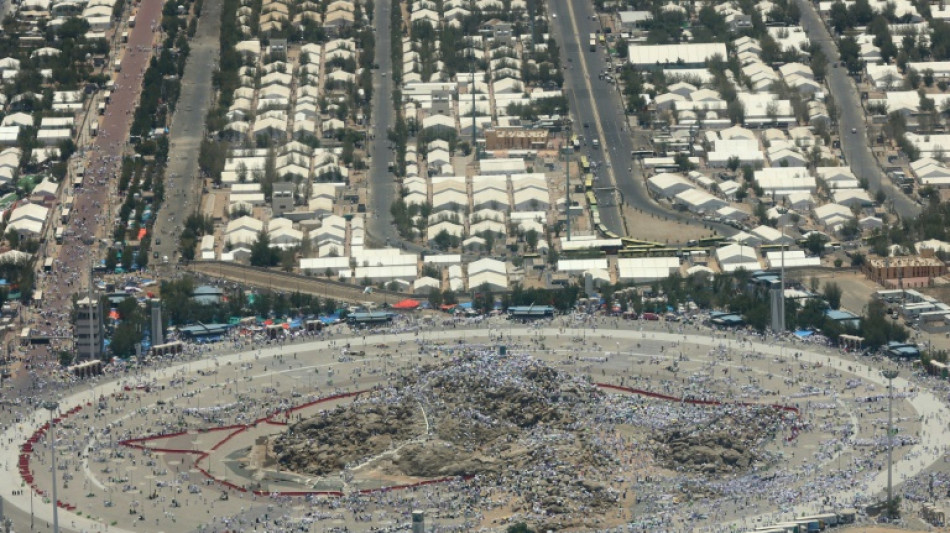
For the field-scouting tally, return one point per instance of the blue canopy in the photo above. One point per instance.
(330, 319)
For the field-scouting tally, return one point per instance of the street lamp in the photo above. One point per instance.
(52, 406)
(889, 375)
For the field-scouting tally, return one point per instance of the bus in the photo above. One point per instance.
(593, 45)
(633, 243)
(576, 142)
(588, 182)
(59, 235)
(711, 241)
(824, 520)
(585, 164)
(607, 233)
(591, 199)
(634, 251)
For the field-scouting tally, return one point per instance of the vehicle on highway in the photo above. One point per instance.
(596, 143)
(854, 130)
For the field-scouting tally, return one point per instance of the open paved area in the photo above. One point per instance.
(832, 458)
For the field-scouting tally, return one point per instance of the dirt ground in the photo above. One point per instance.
(941, 291)
(647, 227)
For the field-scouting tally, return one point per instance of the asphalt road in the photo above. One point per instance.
(593, 103)
(598, 104)
(182, 181)
(855, 146)
(382, 189)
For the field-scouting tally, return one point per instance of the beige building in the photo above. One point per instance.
(910, 271)
(516, 139)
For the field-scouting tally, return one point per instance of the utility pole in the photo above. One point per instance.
(474, 122)
(781, 308)
(567, 198)
(52, 407)
(890, 375)
(92, 336)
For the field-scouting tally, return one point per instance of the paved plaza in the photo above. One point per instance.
(206, 413)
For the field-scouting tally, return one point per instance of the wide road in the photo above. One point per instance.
(598, 109)
(90, 215)
(285, 281)
(182, 182)
(856, 147)
(382, 189)
(593, 104)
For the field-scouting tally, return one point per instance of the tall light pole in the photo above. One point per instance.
(890, 375)
(782, 281)
(474, 115)
(52, 406)
(568, 152)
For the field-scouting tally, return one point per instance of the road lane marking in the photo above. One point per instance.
(593, 106)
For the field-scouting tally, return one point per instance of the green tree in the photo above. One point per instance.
(840, 18)
(818, 64)
(748, 173)
(815, 243)
(832, 294)
(850, 54)
(714, 22)
(531, 239)
(128, 334)
(681, 160)
(733, 163)
(861, 12)
(877, 329)
(262, 255)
